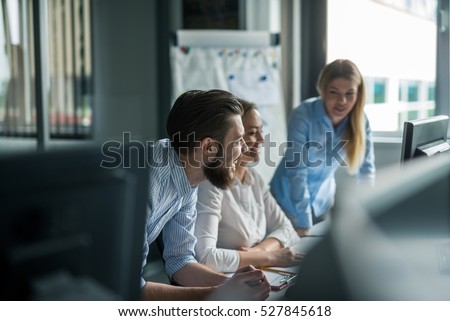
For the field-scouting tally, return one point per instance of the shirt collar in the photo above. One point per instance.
(248, 178)
(177, 171)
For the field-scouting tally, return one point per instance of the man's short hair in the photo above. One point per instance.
(198, 114)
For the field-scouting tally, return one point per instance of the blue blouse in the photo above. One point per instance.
(304, 182)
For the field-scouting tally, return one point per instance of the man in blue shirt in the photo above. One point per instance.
(205, 140)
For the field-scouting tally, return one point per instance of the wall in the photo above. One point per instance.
(387, 154)
(125, 72)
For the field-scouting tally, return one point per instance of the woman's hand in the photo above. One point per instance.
(250, 249)
(258, 256)
(285, 257)
(302, 231)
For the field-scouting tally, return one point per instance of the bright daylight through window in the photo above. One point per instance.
(394, 44)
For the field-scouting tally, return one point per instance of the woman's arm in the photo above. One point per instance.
(229, 260)
(209, 215)
(280, 257)
(268, 244)
(366, 172)
(291, 189)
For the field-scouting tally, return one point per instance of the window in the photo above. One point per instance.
(394, 45)
(414, 100)
(67, 45)
(376, 90)
(408, 91)
(431, 91)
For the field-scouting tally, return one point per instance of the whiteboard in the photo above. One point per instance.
(250, 71)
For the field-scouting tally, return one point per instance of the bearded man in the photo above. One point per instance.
(205, 141)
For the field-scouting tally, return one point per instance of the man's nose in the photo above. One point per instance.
(244, 147)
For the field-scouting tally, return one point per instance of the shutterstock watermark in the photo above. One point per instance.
(133, 153)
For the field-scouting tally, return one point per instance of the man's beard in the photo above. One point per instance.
(219, 175)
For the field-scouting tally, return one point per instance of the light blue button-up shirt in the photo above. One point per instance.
(171, 208)
(304, 182)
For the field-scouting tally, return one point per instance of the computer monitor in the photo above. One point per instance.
(385, 242)
(425, 137)
(70, 229)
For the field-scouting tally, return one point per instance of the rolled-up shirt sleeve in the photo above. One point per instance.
(145, 251)
(366, 173)
(178, 237)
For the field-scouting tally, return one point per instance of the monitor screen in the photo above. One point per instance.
(425, 137)
(387, 242)
(70, 229)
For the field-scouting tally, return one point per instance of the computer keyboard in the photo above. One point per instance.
(443, 251)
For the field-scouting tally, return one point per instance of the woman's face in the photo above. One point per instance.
(340, 98)
(253, 136)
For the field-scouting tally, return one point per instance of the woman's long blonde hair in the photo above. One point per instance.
(355, 132)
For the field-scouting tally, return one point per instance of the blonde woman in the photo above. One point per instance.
(243, 225)
(324, 133)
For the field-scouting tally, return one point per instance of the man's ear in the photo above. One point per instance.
(209, 147)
